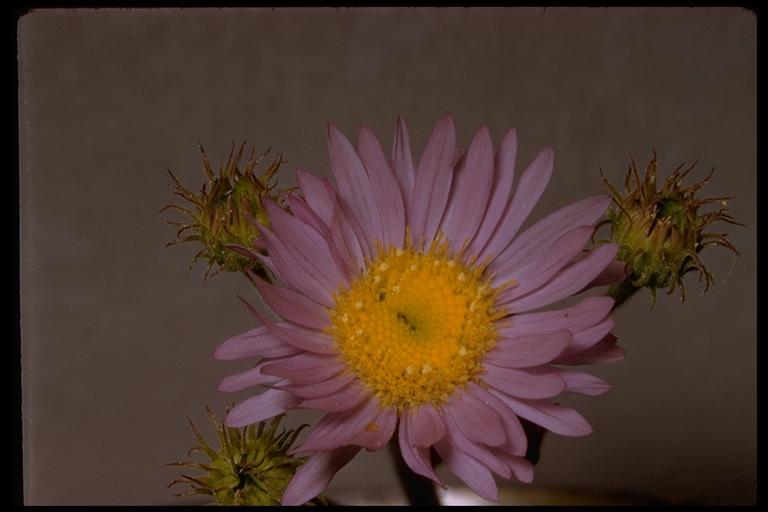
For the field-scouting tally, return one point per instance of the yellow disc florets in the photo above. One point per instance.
(415, 325)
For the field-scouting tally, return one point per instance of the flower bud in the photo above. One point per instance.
(661, 231)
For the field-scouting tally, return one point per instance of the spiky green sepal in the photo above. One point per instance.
(250, 467)
(661, 232)
(223, 217)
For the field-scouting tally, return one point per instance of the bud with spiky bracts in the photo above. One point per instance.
(251, 466)
(661, 232)
(227, 212)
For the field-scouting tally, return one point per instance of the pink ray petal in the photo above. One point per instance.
(557, 418)
(529, 350)
(378, 432)
(313, 477)
(585, 314)
(344, 399)
(318, 194)
(307, 244)
(323, 388)
(388, 195)
(604, 352)
(538, 271)
(532, 184)
(305, 368)
(433, 181)
(426, 425)
(584, 383)
(476, 420)
(520, 467)
(533, 383)
(416, 457)
(336, 429)
(517, 441)
(477, 451)
(301, 209)
(583, 340)
(266, 405)
(504, 175)
(246, 379)
(296, 271)
(470, 471)
(402, 162)
(349, 245)
(567, 282)
(256, 342)
(291, 305)
(537, 239)
(472, 190)
(354, 185)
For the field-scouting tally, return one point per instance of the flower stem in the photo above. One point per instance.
(418, 490)
(622, 291)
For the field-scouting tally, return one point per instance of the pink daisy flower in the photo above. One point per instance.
(406, 293)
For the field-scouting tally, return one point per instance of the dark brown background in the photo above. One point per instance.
(117, 334)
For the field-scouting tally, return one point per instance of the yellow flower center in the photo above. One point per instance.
(415, 325)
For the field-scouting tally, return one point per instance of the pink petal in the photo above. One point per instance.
(501, 192)
(529, 383)
(254, 343)
(248, 378)
(353, 184)
(529, 350)
(604, 352)
(567, 282)
(301, 209)
(295, 271)
(472, 190)
(344, 399)
(517, 441)
(477, 421)
(522, 469)
(318, 193)
(349, 245)
(584, 383)
(337, 429)
(323, 388)
(378, 432)
(532, 184)
(314, 476)
(585, 314)
(587, 338)
(558, 419)
(614, 273)
(387, 190)
(416, 457)
(433, 181)
(426, 425)
(477, 451)
(538, 238)
(305, 368)
(538, 271)
(306, 244)
(311, 341)
(402, 162)
(268, 404)
(243, 251)
(291, 305)
(470, 471)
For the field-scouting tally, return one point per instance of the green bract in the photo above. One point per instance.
(661, 232)
(250, 467)
(225, 214)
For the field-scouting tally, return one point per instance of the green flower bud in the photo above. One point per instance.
(250, 467)
(223, 217)
(661, 232)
